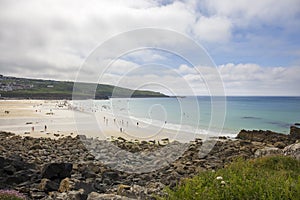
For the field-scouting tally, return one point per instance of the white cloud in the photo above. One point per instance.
(39, 35)
(184, 69)
(121, 67)
(238, 79)
(252, 79)
(51, 38)
(266, 11)
(145, 56)
(213, 29)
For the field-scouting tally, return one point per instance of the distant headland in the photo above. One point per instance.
(24, 88)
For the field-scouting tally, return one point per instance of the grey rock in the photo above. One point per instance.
(267, 151)
(72, 195)
(54, 171)
(112, 175)
(36, 146)
(267, 137)
(47, 185)
(293, 150)
(37, 194)
(279, 145)
(295, 132)
(97, 196)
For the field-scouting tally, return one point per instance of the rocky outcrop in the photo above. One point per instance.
(267, 151)
(267, 137)
(293, 150)
(64, 168)
(14, 170)
(295, 132)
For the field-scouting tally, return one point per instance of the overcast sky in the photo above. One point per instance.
(255, 45)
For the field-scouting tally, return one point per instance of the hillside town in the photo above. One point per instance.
(12, 83)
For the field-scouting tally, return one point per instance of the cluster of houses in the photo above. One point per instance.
(11, 83)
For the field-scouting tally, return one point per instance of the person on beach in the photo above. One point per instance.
(32, 129)
(121, 130)
(137, 124)
(45, 127)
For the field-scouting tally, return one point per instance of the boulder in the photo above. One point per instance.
(293, 150)
(267, 151)
(110, 175)
(295, 132)
(14, 170)
(65, 185)
(89, 187)
(71, 195)
(76, 195)
(97, 196)
(279, 145)
(59, 171)
(47, 185)
(38, 195)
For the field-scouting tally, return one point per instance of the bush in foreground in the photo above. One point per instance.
(11, 195)
(264, 178)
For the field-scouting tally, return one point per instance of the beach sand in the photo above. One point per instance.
(62, 120)
(29, 117)
(18, 108)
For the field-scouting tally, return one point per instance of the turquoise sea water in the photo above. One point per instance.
(266, 113)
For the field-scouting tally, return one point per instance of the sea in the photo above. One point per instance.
(203, 113)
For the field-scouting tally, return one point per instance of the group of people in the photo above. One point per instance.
(121, 123)
(45, 128)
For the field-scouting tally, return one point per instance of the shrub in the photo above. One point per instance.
(264, 178)
(11, 195)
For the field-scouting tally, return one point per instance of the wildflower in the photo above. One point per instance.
(11, 194)
(219, 178)
(223, 183)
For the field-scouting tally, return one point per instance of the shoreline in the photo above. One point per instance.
(63, 118)
(55, 162)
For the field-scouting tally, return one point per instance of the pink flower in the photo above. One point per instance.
(12, 193)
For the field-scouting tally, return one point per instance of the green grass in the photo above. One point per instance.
(264, 178)
(64, 89)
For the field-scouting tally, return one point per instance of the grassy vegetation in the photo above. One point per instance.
(64, 89)
(264, 178)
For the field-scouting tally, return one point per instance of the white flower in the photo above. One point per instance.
(219, 178)
(223, 182)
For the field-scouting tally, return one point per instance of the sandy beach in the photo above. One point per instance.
(58, 118)
(18, 108)
(37, 118)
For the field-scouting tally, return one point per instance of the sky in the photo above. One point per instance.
(254, 45)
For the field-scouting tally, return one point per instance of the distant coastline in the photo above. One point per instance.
(23, 88)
